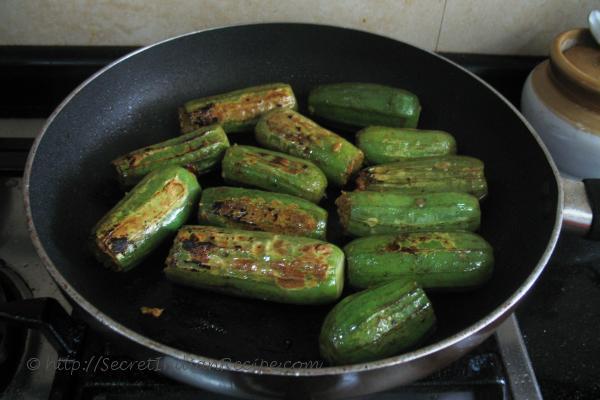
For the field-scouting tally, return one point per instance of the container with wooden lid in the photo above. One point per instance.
(561, 99)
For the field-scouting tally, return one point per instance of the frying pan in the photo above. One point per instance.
(248, 347)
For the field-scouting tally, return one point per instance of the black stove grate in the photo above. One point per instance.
(12, 339)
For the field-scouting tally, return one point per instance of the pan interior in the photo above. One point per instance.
(134, 104)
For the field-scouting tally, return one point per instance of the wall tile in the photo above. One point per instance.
(509, 26)
(139, 22)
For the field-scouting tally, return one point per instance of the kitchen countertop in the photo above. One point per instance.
(560, 318)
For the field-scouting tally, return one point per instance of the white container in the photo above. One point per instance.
(561, 100)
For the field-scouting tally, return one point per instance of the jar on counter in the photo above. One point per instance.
(561, 100)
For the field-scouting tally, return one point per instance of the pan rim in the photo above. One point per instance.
(491, 320)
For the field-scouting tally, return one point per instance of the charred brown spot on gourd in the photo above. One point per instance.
(290, 277)
(408, 250)
(133, 159)
(284, 164)
(420, 202)
(441, 238)
(119, 244)
(311, 264)
(344, 208)
(185, 121)
(288, 274)
(245, 265)
(273, 98)
(205, 115)
(230, 209)
(257, 215)
(199, 250)
(397, 245)
(281, 247)
(290, 132)
(392, 247)
(295, 127)
(410, 243)
(293, 274)
(290, 282)
(364, 179)
(316, 250)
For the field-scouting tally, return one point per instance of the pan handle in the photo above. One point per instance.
(581, 213)
(47, 315)
(592, 189)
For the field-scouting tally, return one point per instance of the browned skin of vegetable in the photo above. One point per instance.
(289, 269)
(429, 174)
(155, 208)
(292, 133)
(273, 171)
(117, 239)
(199, 152)
(236, 110)
(258, 210)
(281, 217)
(289, 273)
(251, 103)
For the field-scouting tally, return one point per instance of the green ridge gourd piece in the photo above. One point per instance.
(371, 213)
(382, 144)
(250, 209)
(238, 110)
(376, 323)
(424, 175)
(434, 259)
(262, 265)
(365, 104)
(153, 210)
(293, 133)
(273, 171)
(199, 151)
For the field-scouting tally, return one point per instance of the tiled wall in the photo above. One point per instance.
(474, 26)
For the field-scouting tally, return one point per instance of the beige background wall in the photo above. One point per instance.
(473, 26)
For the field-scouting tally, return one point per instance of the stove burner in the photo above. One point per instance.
(12, 339)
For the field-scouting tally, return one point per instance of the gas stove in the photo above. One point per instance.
(30, 368)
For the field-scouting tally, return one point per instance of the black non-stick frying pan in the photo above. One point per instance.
(133, 103)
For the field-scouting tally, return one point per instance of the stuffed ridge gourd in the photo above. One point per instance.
(250, 209)
(382, 144)
(364, 104)
(366, 213)
(376, 323)
(199, 151)
(262, 265)
(293, 133)
(153, 210)
(274, 171)
(450, 260)
(238, 110)
(424, 175)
